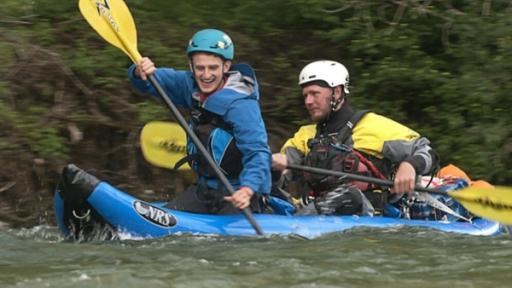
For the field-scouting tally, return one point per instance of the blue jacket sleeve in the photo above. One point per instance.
(178, 84)
(244, 115)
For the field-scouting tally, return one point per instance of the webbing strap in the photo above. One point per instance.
(347, 129)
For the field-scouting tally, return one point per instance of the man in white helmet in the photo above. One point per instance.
(358, 142)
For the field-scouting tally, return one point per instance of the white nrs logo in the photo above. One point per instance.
(154, 215)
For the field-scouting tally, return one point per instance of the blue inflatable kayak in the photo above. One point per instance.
(83, 203)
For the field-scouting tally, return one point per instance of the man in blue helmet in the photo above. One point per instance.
(223, 100)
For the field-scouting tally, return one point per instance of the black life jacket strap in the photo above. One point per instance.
(346, 131)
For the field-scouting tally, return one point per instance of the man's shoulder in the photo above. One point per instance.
(382, 126)
(375, 120)
(307, 129)
(305, 132)
(245, 69)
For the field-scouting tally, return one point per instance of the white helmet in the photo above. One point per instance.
(331, 72)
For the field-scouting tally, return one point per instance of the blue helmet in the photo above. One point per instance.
(212, 41)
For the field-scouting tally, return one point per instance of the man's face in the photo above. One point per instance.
(208, 71)
(318, 101)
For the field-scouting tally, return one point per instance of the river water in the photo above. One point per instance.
(39, 257)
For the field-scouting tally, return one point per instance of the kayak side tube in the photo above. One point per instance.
(136, 218)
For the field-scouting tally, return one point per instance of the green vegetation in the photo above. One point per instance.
(442, 67)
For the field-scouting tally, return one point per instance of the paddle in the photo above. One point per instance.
(113, 21)
(163, 144)
(495, 204)
(490, 203)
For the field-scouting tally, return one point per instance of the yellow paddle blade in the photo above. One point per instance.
(491, 203)
(114, 22)
(163, 144)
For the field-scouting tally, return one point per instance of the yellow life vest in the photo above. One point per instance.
(368, 136)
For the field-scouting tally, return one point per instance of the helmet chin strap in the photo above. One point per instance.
(335, 102)
(334, 105)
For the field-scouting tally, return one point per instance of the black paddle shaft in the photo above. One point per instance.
(183, 123)
(372, 180)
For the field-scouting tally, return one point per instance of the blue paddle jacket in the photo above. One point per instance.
(237, 105)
